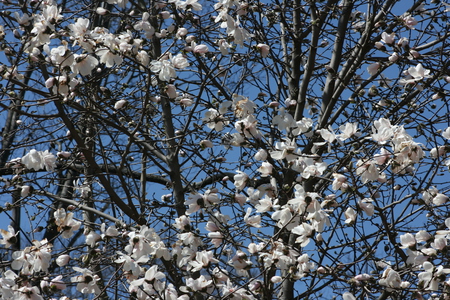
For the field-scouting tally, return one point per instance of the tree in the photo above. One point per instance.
(227, 150)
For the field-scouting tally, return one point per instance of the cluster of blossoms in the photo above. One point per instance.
(246, 124)
(100, 47)
(404, 154)
(36, 160)
(421, 249)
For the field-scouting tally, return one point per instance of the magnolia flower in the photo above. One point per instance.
(130, 265)
(206, 144)
(171, 91)
(84, 64)
(429, 194)
(367, 170)
(55, 284)
(214, 120)
(403, 42)
(394, 57)
(79, 29)
(285, 150)
(224, 46)
(423, 236)
(38, 255)
(92, 237)
(350, 216)
(439, 244)
(120, 3)
(23, 20)
(195, 202)
(261, 155)
(201, 49)
(25, 190)
(211, 197)
(186, 102)
(181, 32)
(413, 54)
(382, 130)
(28, 292)
(248, 126)
(143, 58)
(139, 243)
(101, 11)
(234, 29)
(328, 134)
(390, 278)
(446, 133)
(416, 74)
(284, 217)
(62, 260)
(254, 221)
(243, 107)
(388, 38)
(108, 57)
(348, 130)
(165, 69)
(302, 126)
(367, 206)
(48, 160)
(373, 68)
(380, 45)
(407, 240)
(119, 104)
(183, 223)
(239, 198)
(111, 231)
(382, 157)
(64, 154)
(179, 61)
(199, 284)
(340, 182)
(240, 261)
(312, 168)
(362, 277)
(145, 26)
(305, 232)
(438, 151)
(283, 120)
(188, 4)
(410, 22)
(264, 204)
(432, 275)
(276, 279)
(240, 180)
(32, 160)
(38, 160)
(265, 169)
(440, 199)
(61, 56)
(202, 260)
(65, 222)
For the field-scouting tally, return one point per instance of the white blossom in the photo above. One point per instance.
(8, 237)
(87, 282)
